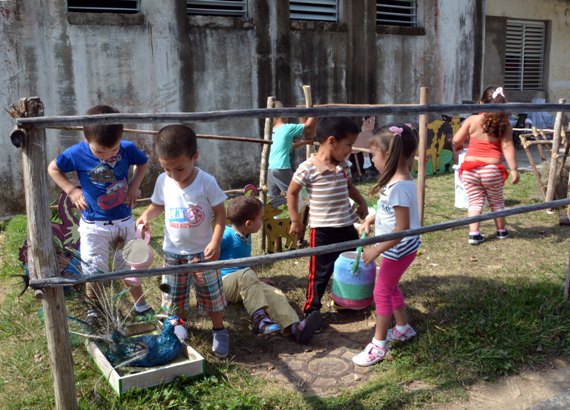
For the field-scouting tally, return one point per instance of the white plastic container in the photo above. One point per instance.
(460, 194)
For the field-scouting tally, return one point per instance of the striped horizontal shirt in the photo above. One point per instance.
(399, 193)
(328, 193)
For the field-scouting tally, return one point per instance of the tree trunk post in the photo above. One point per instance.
(308, 104)
(422, 147)
(567, 284)
(552, 174)
(42, 258)
(263, 167)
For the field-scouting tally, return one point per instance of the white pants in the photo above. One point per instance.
(98, 238)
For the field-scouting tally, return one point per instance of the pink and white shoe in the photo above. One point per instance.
(371, 354)
(395, 335)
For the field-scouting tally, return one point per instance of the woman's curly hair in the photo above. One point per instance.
(494, 123)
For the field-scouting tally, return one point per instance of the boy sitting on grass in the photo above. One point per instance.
(267, 305)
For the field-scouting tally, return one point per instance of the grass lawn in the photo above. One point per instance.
(481, 312)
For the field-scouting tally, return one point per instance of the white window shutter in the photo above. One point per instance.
(524, 55)
(231, 8)
(396, 13)
(319, 10)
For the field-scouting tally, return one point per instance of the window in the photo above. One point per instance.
(396, 13)
(320, 10)
(233, 8)
(103, 6)
(524, 55)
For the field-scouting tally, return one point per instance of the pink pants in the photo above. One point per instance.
(484, 183)
(387, 294)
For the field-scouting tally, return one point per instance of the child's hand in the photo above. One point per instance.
(144, 223)
(212, 252)
(131, 199)
(370, 254)
(514, 177)
(77, 198)
(364, 227)
(297, 229)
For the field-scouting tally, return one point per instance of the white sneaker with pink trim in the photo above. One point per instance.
(395, 335)
(371, 354)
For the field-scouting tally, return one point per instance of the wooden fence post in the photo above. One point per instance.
(263, 166)
(42, 258)
(567, 284)
(308, 104)
(552, 174)
(422, 148)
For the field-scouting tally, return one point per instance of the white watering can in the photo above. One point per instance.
(137, 252)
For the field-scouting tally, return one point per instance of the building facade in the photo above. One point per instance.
(190, 56)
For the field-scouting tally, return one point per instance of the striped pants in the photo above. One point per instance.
(482, 183)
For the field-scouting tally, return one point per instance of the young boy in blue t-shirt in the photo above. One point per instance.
(105, 198)
(268, 306)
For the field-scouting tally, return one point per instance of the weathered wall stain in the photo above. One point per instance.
(161, 60)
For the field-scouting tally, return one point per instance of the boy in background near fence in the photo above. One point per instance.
(268, 306)
(280, 172)
(326, 175)
(192, 202)
(105, 198)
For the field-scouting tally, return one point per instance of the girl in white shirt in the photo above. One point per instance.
(394, 148)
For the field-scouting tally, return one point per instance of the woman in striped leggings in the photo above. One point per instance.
(490, 138)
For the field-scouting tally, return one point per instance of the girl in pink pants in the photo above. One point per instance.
(393, 148)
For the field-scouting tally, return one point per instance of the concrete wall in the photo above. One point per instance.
(160, 60)
(557, 67)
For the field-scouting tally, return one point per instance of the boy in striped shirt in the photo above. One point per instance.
(326, 175)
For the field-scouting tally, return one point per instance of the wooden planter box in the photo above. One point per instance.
(189, 363)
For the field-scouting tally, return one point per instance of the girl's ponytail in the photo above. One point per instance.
(494, 123)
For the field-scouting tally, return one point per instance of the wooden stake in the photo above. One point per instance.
(422, 148)
(536, 135)
(263, 167)
(567, 284)
(42, 259)
(537, 177)
(551, 185)
(308, 104)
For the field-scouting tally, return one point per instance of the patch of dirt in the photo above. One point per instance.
(322, 367)
(529, 389)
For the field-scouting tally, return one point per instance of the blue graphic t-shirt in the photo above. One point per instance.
(104, 184)
(234, 246)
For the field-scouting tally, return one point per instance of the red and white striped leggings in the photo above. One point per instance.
(482, 183)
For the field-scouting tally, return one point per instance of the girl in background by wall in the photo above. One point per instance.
(393, 148)
(490, 137)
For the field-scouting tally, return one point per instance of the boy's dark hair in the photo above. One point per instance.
(243, 208)
(175, 140)
(338, 127)
(106, 135)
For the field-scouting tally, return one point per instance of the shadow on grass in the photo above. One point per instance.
(519, 230)
(468, 329)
